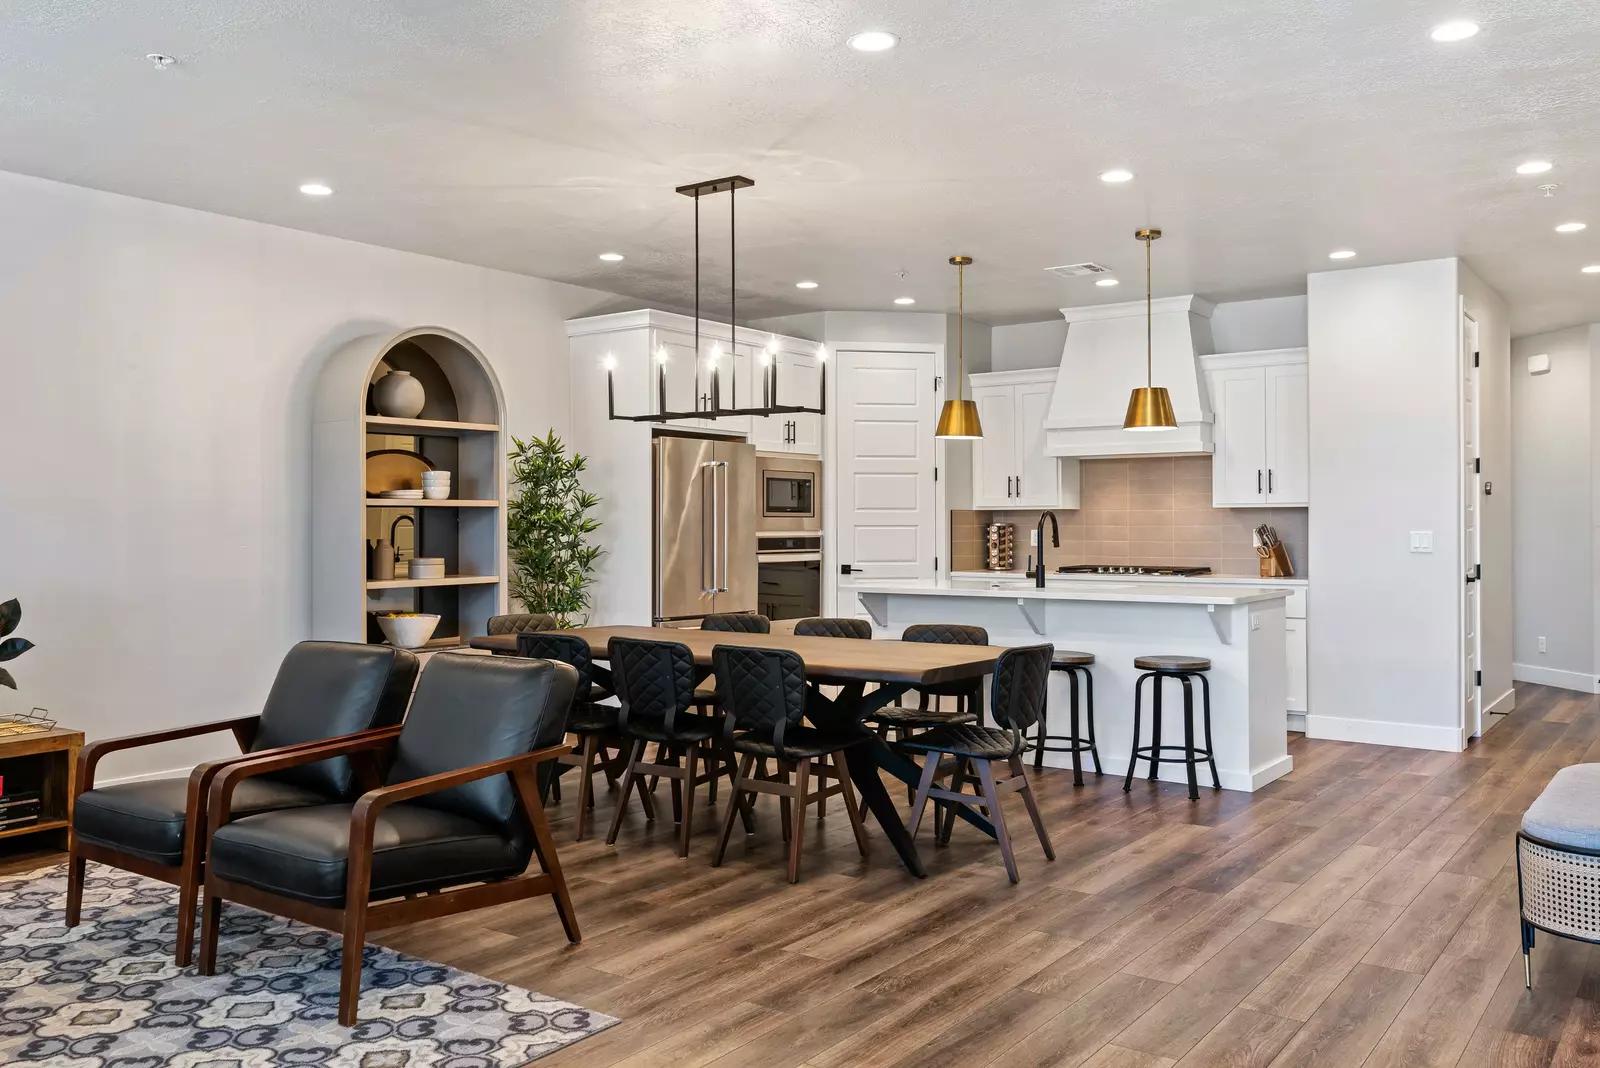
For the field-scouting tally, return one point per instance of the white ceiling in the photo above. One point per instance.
(532, 135)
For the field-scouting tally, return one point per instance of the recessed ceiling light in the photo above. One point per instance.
(1593, 268)
(805, 285)
(1342, 254)
(1105, 281)
(1455, 30)
(873, 41)
(1534, 166)
(905, 300)
(316, 189)
(1115, 175)
(612, 257)
(1571, 227)
(160, 60)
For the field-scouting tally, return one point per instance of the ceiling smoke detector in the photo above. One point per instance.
(160, 60)
(1078, 270)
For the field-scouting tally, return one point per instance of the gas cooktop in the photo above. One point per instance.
(1131, 569)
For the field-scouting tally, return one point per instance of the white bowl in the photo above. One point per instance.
(436, 493)
(408, 632)
(436, 476)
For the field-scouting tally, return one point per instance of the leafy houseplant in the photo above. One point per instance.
(10, 648)
(548, 527)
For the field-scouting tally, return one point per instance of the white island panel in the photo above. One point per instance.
(1241, 631)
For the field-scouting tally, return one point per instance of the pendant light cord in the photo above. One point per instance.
(961, 330)
(1149, 329)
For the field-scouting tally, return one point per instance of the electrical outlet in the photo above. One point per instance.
(1033, 538)
(1255, 622)
(1422, 541)
(1541, 643)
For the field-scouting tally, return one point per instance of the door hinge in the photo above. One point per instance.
(1477, 465)
(1474, 359)
(1480, 678)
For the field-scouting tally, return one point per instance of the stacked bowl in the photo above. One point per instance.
(436, 485)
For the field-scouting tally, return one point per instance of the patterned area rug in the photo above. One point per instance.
(105, 994)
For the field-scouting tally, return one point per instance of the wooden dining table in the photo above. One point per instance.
(849, 664)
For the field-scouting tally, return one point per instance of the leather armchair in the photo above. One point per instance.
(454, 827)
(155, 827)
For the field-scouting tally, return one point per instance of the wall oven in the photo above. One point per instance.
(789, 574)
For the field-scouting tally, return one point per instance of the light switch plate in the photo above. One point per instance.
(1422, 541)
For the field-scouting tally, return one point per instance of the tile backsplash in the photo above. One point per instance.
(1145, 510)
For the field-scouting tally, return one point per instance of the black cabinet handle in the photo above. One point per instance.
(1269, 480)
(1258, 480)
(1019, 485)
(1008, 487)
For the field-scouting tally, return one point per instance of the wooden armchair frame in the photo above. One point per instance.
(359, 915)
(188, 875)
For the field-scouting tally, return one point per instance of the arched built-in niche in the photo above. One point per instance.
(459, 430)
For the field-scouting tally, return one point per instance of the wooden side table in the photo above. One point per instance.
(46, 761)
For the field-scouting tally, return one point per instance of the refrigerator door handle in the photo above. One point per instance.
(708, 479)
(722, 541)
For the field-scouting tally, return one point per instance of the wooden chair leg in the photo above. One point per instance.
(210, 927)
(944, 813)
(629, 777)
(735, 806)
(802, 778)
(188, 902)
(677, 787)
(555, 785)
(350, 959)
(591, 750)
(75, 874)
(691, 764)
(1033, 808)
(991, 801)
(851, 807)
(546, 850)
(930, 769)
(785, 808)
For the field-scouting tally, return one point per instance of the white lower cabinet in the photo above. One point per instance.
(1295, 632)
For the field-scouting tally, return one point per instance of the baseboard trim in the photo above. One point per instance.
(1503, 704)
(1117, 767)
(1382, 732)
(1297, 722)
(1546, 676)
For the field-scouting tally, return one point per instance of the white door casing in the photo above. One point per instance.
(1471, 489)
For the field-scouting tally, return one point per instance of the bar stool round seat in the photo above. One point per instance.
(1157, 669)
(1172, 663)
(1075, 665)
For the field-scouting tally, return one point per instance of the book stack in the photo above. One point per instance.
(18, 809)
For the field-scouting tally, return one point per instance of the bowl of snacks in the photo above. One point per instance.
(407, 630)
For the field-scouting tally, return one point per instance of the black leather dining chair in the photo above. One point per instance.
(968, 695)
(594, 723)
(156, 827)
(737, 623)
(833, 627)
(454, 827)
(1016, 701)
(764, 700)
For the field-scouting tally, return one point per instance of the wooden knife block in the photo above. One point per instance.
(1276, 564)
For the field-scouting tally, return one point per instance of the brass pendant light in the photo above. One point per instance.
(959, 419)
(1149, 408)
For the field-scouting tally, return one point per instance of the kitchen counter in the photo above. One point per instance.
(1226, 580)
(1239, 627)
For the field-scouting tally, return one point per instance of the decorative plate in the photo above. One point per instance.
(392, 469)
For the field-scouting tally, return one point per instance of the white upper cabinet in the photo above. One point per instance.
(1262, 431)
(1009, 465)
(799, 382)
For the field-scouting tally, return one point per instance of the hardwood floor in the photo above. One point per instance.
(1359, 912)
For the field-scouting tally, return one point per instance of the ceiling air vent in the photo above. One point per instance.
(1078, 270)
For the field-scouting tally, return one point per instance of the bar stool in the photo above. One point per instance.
(1070, 663)
(1182, 668)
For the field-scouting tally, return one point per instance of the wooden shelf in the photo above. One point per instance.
(42, 825)
(383, 424)
(448, 580)
(448, 502)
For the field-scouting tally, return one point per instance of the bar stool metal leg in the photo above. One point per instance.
(1155, 728)
(1088, 687)
(1133, 757)
(1077, 760)
(1205, 692)
(1188, 736)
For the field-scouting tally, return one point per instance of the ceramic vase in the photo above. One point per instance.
(398, 395)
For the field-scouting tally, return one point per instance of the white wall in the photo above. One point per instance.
(1026, 346)
(1385, 635)
(157, 372)
(1551, 446)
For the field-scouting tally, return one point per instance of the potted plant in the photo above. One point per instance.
(548, 527)
(10, 648)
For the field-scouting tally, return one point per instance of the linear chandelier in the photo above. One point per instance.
(769, 369)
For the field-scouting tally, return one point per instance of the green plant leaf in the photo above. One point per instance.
(12, 648)
(6, 679)
(547, 529)
(10, 616)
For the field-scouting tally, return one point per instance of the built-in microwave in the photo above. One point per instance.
(787, 494)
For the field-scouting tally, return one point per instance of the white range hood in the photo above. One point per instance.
(1104, 359)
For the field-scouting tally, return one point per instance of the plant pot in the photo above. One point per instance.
(408, 632)
(398, 395)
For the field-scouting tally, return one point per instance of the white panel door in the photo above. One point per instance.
(1239, 468)
(1288, 435)
(994, 456)
(1038, 475)
(884, 468)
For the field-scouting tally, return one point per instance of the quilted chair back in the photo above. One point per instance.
(563, 648)
(654, 681)
(1021, 676)
(737, 623)
(763, 691)
(824, 627)
(517, 622)
(946, 634)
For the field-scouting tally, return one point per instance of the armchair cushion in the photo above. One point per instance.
(326, 689)
(147, 818)
(304, 853)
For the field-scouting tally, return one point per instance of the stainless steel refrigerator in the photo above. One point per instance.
(706, 504)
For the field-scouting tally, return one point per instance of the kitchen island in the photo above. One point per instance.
(1239, 628)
